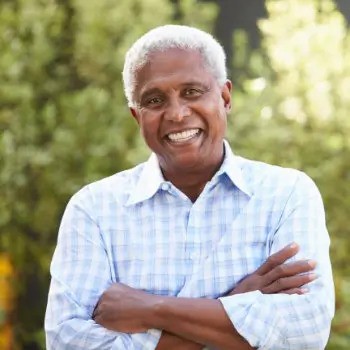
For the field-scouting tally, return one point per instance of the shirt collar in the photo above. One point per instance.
(151, 177)
(148, 183)
(231, 166)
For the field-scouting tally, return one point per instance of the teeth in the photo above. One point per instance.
(183, 135)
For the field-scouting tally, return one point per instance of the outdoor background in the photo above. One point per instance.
(64, 120)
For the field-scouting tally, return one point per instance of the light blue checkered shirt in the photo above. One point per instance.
(136, 228)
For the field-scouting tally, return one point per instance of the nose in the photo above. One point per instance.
(176, 110)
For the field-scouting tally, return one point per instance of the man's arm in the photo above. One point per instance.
(200, 321)
(278, 321)
(204, 321)
(80, 273)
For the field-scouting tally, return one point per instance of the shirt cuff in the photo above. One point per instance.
(251, 316)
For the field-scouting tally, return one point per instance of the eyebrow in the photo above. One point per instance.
(196, 83)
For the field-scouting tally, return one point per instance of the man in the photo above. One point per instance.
(194, 248)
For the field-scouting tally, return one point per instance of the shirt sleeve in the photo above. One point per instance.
(281, 321)
(81, 272)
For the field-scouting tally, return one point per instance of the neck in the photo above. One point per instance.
(192, 181)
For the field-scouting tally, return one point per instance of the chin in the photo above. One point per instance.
(186, 163)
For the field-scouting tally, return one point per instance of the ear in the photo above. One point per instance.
(134, 114)
(226, 95)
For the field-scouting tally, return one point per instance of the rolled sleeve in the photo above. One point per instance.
(282, 321)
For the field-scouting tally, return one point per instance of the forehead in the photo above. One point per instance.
(172, 67)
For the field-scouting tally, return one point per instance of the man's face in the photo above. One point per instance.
(181, 110)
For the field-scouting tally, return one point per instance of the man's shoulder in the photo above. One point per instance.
(116, 186)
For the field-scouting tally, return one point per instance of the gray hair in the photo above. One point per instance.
(168, 37)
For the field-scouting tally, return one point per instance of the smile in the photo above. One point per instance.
(183, 135)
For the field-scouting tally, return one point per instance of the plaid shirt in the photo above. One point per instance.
(136, 228)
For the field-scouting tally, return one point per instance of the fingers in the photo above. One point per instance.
(289, 285)
(289, 269)
(278, 258)
(277, 276)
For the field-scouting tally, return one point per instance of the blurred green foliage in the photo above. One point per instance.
(292, 108)
(64, 120)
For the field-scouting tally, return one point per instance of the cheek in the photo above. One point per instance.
(149, 127)
(219, 126)
(218, 120)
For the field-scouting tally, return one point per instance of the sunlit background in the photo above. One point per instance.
(64, 120)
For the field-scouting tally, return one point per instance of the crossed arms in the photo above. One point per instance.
(191, 323)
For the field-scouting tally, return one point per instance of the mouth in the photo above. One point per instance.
(183, 136)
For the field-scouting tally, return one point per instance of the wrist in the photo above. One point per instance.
(157, 308)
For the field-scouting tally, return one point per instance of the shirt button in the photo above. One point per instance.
(165, 186)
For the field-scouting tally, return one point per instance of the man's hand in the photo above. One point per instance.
(276, 276)
(123, 309)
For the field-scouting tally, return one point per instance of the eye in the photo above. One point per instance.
(153, 101)
(192, 92)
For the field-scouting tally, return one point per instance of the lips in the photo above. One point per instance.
(183, 136)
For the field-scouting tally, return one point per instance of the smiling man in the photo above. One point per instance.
(196, 247)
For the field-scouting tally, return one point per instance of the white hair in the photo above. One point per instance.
(168, 37)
